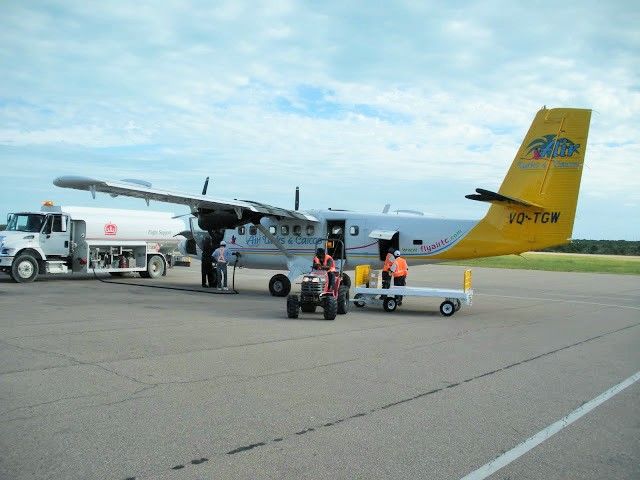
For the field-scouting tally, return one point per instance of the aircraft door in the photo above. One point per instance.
(335, 231)
(386, 239)
(56, 235)
(384, 245)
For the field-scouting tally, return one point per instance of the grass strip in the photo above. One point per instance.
(558, 263)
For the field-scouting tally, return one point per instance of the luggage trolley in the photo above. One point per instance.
(368, 291)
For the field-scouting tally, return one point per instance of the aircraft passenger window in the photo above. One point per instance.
(310, 230)
(241, 230)
(272, 230)
(417, 242)
(253, 230)
(284, 229)
(354, 230)
(297, 230)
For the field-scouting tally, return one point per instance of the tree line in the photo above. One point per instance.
(599, 247)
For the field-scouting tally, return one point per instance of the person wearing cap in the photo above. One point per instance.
(399, 270)
(323, 261)
(386, 267)
(221, 256)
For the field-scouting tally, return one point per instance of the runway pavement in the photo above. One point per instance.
(112, 381)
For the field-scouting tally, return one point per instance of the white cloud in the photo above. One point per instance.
(442, 94)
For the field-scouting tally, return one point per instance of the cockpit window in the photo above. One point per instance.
(25, 222)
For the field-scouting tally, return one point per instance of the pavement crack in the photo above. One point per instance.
(450, 386)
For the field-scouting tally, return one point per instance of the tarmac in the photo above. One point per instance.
(120, 381)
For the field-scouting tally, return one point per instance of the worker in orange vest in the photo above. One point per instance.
(323, 261)
(399, 270)
(386, 267)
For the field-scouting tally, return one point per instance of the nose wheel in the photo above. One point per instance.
(279, 285)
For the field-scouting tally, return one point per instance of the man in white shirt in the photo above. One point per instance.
(221, 256)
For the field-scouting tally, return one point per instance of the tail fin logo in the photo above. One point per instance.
(549, 146)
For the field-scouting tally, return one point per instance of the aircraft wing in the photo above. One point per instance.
(195, 202)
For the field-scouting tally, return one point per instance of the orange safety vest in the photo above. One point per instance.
(402, 269)
(326, 259)
(388, 262)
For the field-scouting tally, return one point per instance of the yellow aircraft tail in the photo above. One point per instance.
(536, 204)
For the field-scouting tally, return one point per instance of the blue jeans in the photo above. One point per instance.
(221, 269)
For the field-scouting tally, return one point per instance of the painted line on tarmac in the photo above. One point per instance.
(535, 440)
(616, 305)
(317, 427)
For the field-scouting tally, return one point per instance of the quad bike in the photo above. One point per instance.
(315, 292)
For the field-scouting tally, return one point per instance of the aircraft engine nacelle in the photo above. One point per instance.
(221, 219)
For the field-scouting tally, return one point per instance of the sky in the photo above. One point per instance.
(412, 103)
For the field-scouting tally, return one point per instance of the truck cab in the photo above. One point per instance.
(40, 240)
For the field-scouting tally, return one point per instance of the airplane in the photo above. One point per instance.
(534, 208)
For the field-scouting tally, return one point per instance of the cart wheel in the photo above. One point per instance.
(447, 308)
(358, 303)
(389, 304)
(457, 304)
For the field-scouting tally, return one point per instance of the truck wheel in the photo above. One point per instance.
(447, 308)
(358, 303)
(293, 306)
(346, 281)
(308, 307)
(389, 304)
(279, 285)
(24, 268)
(343, 300)
(155, 267)
(330, 308)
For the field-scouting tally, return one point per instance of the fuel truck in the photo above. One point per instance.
(67, 240)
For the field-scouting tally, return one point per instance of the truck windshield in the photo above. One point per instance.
(25, 222)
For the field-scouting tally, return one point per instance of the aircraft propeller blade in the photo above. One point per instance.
(206, 184)
(297, 205)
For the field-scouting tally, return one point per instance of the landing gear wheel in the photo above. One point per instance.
(389, 304)
(457, 304)
(155, 267)
(343, 300)
(346, 281)
(293, 306)
(308, 307)
(279, 285)
(330, 308)
(447, 308)
(24, 268)
(358, 303)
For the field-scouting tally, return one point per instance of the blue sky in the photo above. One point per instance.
(359, 103)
